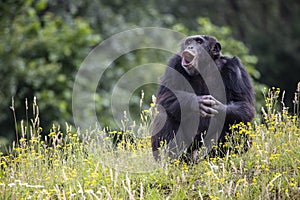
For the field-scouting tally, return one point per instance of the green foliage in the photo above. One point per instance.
(40, 54)
(231, 47)
(44, 42)
(69, 168)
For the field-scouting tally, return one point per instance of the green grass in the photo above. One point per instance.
(119, 165)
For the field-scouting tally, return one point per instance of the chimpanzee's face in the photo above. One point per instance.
(191, 50)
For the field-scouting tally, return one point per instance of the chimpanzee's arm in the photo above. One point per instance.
(176, 102)
(239, 91)
(181, 105)
(177, 96)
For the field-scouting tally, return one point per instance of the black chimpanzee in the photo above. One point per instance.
(201, 94)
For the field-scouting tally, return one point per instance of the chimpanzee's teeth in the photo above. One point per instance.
(188, 56)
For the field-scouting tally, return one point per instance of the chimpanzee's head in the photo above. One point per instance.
(192, 47)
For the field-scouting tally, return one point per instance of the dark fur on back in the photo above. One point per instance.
(239, 100)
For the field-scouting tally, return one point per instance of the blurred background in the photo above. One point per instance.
(43, 43)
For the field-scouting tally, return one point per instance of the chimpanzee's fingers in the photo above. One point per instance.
(205, 98)
(217, 102)
(205, 114)
(207, 109)
(208, 102)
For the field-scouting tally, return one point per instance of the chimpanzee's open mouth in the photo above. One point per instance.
(187, 58)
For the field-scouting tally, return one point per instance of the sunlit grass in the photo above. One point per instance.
(103, 164)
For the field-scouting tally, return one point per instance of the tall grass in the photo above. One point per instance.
(100, 164)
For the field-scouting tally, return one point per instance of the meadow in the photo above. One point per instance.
(101, 164)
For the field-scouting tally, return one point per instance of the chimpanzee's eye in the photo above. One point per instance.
(199, 40)
(187, 42)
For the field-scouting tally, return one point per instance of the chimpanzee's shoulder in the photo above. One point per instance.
(175, 62)
(231, 61)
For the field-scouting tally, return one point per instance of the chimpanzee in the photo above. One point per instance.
(200, 95)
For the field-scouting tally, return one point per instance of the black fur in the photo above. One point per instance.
(175, 92)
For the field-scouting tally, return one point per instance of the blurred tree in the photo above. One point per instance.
(42, 45)
(270, 29)
(40, 53)
(231, 47)
(113, 16)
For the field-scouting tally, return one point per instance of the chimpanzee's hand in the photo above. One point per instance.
(220, 107)
(206, 106)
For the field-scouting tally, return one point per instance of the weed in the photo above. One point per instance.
(71, 165)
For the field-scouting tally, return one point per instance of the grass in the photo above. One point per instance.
(119, 165)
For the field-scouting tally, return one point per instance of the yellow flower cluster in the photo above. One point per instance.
(261, 161)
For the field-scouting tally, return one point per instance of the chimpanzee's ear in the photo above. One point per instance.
(217, 47)
(216, 51)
